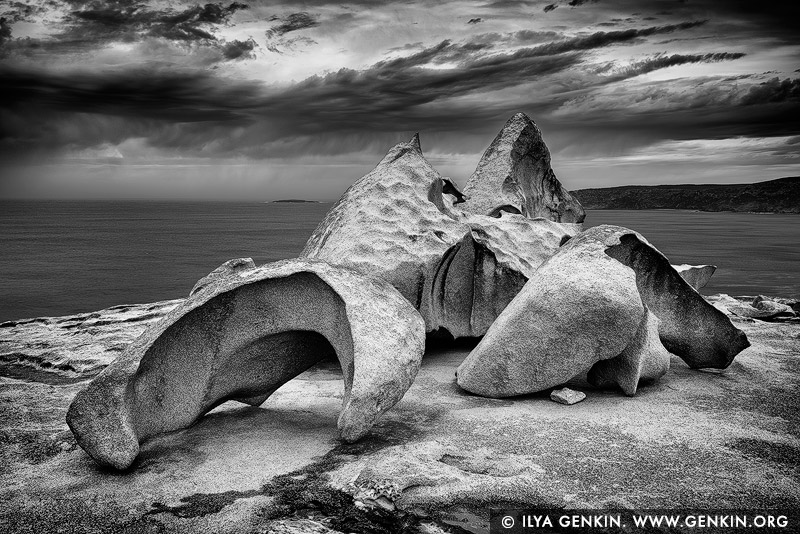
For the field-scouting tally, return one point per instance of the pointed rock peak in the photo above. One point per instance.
(519, 118)
(515, 175)
(415, 142)
(401, 149)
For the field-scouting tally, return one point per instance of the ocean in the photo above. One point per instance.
(64, 257)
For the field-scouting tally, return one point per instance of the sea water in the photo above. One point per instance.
(63, 257)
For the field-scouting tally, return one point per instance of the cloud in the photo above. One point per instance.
(664, 61)
(198, 111)
(633, 115)
(108, 22)
(506, 4)
(5, 30)
(477, 48)
(573, 81)
(774, 91)
(600, 39)
(277, 43)
(437, 88)
(239, 49)
(293, 23)
(98, 25)
(771, 20)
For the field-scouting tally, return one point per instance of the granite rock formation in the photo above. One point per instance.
(228, 268)
(590, 307)
(242, 469)
(645, 359)
(578, 309)
(696, 276)
(401, 254)
(514, 175)
(399, 223)
(241, 338)
(688, 325)
(761, 308)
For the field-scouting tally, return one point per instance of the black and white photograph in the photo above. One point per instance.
(413, 267)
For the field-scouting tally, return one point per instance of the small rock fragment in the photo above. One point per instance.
(567, 396)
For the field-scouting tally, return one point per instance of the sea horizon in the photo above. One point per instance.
(64, 256)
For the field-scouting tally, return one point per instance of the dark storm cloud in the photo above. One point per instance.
(277, 43)
(5, 30)
(19, 11)
(103, 20)
(600, 39)
(711, 109)
(202, 114)
(99, 23)
(774, 91)
(178, 107)
(476, 49)
(239, 49)
(774, 20)
(664, 61)
(291, 23)
(713, 122)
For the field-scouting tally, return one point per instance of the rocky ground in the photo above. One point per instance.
(436, 462)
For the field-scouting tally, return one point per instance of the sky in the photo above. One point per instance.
(258, 100)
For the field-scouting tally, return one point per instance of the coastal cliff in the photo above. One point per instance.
(773, 196)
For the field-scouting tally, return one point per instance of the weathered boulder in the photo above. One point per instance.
(769, 305)
(478, 276)
(645, 359)
(696, 276)
(579, 308)
(243, 337)
(761, 308)
(514, 175)
(591, 302)
(458, 269)
(228, 268)
(688, 325)
(392, 223)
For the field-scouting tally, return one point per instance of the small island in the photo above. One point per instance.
(295, 201)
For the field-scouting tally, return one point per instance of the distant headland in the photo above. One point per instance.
(773, 196)
(296, 201)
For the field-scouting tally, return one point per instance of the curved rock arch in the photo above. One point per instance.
(243, 337)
